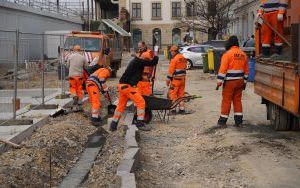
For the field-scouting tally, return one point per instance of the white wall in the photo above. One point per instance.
(166, 11)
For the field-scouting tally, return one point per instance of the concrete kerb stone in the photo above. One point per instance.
(127, 166)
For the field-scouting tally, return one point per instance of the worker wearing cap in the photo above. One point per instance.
(176, 77)
(273, 12)
(127, 90)
(233, 75)
(144, 86)
(76, 63)
(96, 84)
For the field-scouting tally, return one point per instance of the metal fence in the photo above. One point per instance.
(27, 74)
(48, 6)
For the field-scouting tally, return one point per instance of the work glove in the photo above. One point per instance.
(258, 19)
(280, 17)
(219, 84)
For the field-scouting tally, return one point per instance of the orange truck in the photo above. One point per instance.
(278, 82)
(92, 44)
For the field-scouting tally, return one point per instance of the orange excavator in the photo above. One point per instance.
(277, 81)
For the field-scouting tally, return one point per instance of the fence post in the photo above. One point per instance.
(16, 74)
(43, 69)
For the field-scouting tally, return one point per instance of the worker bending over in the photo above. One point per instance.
(233, 75)
(127, 90)
(145, 86)
(76, 62)
(95, 85)
(176, 77)
(273, 12)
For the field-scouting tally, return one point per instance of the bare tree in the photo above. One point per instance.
(208, 16)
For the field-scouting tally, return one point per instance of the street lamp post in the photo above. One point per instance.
(193, 11)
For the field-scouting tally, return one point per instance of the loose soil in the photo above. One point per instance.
(189, 151)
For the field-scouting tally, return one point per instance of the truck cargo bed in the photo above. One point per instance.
(278, 82)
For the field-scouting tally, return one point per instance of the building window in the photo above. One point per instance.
(176, 9)
(156, 10)
(189, 9)
(136, 10)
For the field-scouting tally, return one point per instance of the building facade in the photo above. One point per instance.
(155, 21)
(242, 24)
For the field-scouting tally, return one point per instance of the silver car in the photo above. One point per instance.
(194, 54)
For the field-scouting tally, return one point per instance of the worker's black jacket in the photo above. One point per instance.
(135, 69)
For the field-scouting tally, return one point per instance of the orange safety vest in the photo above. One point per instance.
(234, 65)
(147, 55)
(273, 5)
(99, 77)
(177, 67)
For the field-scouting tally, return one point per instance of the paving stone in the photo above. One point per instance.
(131, 153)
(131, 142)
(125, 166)
(78, 173)
(128, 180)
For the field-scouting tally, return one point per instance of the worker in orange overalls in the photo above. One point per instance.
(95, 85)
(76, 63)
(127, 90)
(176, 77)
(233, 75)
(273, 12)
(145, 86)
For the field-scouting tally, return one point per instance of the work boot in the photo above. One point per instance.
(142, 126)
(222, 122)
(181, 112)
(113, 126)
(75, 100)
(238, 120)
(96, 121)
(265, 52)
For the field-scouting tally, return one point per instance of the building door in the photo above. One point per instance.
(176, 36)
(136, 37)
(156, 37)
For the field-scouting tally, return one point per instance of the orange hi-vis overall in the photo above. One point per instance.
(177, 76)
(126, 92)
(233, 73)
(144, 86)
(95, 84)
(270, 9)
(76, 86)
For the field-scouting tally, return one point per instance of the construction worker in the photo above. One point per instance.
(273, 12)
(76, 63)
(96, 84)
(127, 90)
(144, 86)
(233, 75)
(176, 77)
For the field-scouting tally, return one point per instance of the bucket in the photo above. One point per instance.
(251, 64)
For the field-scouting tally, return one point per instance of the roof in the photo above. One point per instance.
(116, 28)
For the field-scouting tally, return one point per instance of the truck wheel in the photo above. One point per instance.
(295, 123)
(279, 118)
(284, 120)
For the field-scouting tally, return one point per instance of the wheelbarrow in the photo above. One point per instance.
(163, 105)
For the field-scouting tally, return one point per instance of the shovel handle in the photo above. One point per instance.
(217, 88)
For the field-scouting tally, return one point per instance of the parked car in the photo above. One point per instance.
(194, 54)
(216, 44)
